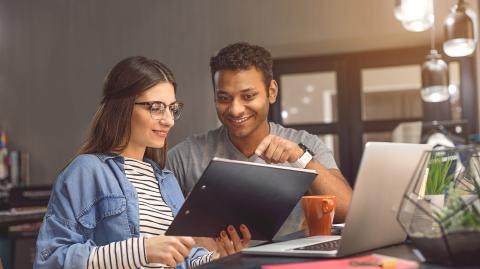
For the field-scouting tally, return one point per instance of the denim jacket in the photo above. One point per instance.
(94, 204)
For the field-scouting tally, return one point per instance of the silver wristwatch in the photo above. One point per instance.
(305, 158)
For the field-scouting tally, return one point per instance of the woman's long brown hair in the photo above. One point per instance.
(110, 127)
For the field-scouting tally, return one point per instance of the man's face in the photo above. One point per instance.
(241, 101)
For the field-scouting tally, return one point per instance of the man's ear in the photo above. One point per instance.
(272, 91)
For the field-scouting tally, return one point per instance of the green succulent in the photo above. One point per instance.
(438, 174)
(457, 215)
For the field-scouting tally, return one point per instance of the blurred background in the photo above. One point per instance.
(349, 71)
(54, 55)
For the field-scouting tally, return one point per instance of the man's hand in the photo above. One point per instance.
(276, 149)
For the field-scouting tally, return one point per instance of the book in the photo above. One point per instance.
(14, 167)
(24, 173)
(360, 262)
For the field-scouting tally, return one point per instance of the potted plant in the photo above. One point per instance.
(450, 234)
(439, 176)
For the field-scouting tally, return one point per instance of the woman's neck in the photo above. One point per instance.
(136, 153)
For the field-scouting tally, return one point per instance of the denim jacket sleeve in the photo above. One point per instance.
(60, 240)
(87, 209)
(81, 199)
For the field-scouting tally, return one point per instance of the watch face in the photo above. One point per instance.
(304, 159)
(305, 148)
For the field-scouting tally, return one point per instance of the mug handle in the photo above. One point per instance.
(327, 206)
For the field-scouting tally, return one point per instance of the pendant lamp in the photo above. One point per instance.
(434, 75)
(415, 15)
(460, 31)
(434, 78)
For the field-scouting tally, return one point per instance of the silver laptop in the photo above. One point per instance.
(383, 176)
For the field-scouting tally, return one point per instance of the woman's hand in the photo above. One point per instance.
(231, 243)
(169, 250)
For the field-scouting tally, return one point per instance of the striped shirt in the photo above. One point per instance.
(155, 218)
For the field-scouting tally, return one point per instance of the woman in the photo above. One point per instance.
(111, 205)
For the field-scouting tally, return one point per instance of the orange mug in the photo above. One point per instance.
(319, 211)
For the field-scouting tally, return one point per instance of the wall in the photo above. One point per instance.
(54, 55)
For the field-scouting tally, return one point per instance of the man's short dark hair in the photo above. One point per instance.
(242, 56)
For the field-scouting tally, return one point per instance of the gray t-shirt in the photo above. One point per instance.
(189, 159)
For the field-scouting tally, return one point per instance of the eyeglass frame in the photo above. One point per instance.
(149, 106)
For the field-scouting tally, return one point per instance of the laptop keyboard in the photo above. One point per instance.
(324, 246)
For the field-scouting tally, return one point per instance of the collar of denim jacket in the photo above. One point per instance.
(156, 168)
(105, 156)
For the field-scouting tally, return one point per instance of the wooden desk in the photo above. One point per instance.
(20, 250)
(8, 218)
(243, 261)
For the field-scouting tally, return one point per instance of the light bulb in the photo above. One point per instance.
(435, 94)
(459, 47)
(416, 15)
(397, 11)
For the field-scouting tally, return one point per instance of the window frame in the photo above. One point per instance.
(349, 126)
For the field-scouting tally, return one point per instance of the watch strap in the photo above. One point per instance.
(306, 157)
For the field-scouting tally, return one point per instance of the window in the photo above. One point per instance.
(350, 99)
(308, 98)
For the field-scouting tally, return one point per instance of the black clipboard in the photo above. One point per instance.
(260, 196)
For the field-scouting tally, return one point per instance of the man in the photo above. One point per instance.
(244, 88)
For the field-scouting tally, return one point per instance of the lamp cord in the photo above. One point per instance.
(432, 35)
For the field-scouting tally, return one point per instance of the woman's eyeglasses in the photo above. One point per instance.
(157, 109)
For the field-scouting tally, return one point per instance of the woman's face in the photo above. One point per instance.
(146, 131)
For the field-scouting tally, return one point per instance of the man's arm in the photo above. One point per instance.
(331, 181)
(276, 149)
